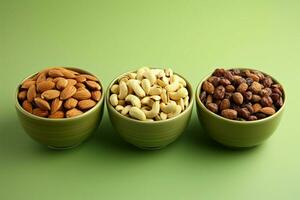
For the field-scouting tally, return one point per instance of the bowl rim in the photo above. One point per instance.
(99, 103)
(199, 103)
(110, 107)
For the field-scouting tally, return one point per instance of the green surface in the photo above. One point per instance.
(108, 38)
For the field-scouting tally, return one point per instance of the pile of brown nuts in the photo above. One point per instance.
(241, 94)
(59, 93)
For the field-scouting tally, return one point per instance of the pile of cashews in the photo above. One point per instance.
(150, 94)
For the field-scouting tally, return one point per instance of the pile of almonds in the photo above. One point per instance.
(241, 94)
(59, 93)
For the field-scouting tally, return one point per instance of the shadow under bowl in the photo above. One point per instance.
(233, 133)
(62, 133)
(149, 135)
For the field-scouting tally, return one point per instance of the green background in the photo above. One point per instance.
(110, 37)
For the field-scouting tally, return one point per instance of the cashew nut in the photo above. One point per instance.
(164, 96)
(140, 73)
(177, 112)
(119, 108)
(123, 91)
(113, 99)
(124, 78)
(163, 116)
(181, 103)
(158, 72)
(132, 75)
(134, 100)
(154, 111)
(181, 93)
(172, 87)
(155, 91)
(137, 113)
(147, 101)
(126, 110)
(177, 78)
(155, 97)
(114, 89)
(150, 76)
(138, 90)
(169, 108)
(146, 85)
(161, 83)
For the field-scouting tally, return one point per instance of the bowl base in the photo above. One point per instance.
(151, 148)
(63, 148)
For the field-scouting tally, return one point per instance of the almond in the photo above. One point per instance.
(39, 112)
(27, 83)
(80, 79)
(96, 95)
(27, 106)
(268, 110)
(61, 84)
(45, 85)
(22, 95)
(41, 77)
(41, 103)
(68, 73)
(31, 93)
(86, 104)
(69, 70)
(68, 92)
(89, 77)
(73, 112)
(55, 73)
(58, 114)
(79, 85)
(50, 94)
(82, 94)
(70, 103)
(57, 79)
(56, 105)
(71, 81)
(93, 85)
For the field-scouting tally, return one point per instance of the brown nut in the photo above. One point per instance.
(238, 98)
(219, 92)
(212, 107)
(225, 104)
(208, 87)
(268, 110)
(229, 113)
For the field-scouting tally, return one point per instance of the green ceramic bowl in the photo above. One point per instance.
(149, 134)
(61, 133)
(237, 134)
